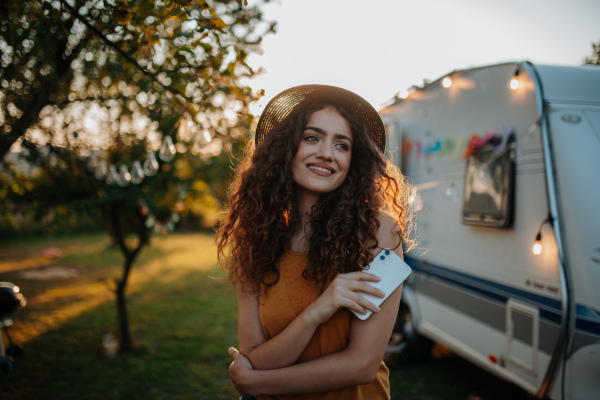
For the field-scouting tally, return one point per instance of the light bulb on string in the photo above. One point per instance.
(137, 173)
(403, 94)
(537, 245)
(150, 164)
(514, 82)
(447, 82)
(167, 149)
(124, 176)
(101, 170)
(112, 176)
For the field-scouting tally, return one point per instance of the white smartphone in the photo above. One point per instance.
(392, 270)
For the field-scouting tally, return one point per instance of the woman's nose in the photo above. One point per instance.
(325, 151)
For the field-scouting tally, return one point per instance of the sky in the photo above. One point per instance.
(376, 48)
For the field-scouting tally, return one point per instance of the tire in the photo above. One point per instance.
(6, 366)
(405, 343)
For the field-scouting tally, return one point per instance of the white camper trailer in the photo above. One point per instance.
(505, 163)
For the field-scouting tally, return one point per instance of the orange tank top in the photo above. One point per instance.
(283, 302)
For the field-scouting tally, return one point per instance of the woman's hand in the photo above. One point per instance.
(344, 291)
(239, 372)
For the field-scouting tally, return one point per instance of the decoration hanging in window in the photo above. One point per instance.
(489, 181)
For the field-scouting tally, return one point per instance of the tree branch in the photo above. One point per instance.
(129, 58)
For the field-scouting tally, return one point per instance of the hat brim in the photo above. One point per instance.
(282, 105)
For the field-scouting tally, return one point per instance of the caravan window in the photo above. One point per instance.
(489, 184)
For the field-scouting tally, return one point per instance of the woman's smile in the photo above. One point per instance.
(321, 170)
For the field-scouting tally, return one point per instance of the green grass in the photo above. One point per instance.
(183, 319)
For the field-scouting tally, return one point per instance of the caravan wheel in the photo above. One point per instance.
(6, 365)
(405, 343)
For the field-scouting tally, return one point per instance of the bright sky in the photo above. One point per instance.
(378, 47)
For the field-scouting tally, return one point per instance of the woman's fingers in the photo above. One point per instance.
(233, 352)
(360, 275)
(353, 299)
(346, 290)
(358, 282)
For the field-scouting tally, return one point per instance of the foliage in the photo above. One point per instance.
(595, 57)
(119, 75)
(126, 61)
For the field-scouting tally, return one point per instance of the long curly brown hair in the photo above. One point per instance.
(262, 213)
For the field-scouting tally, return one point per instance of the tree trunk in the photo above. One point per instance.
(125, 339)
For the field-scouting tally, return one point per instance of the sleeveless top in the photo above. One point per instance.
(283, 302)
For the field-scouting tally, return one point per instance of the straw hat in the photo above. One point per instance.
(282, 105)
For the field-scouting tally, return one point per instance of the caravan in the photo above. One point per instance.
(505, 163)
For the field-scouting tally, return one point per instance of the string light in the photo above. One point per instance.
(150, 164)
(514, 82)
(137, 173)
(447, 82)
(537, 244)
(167, 149)
(112, 176)
(124, 176)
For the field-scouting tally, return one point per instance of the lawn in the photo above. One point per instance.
(183, 319)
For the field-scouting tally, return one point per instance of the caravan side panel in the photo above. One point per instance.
(480, 290)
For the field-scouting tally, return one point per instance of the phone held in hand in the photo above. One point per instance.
(392, 270)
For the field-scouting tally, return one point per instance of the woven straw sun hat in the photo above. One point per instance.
(282, 105)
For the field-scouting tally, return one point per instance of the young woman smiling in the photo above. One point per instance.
(311, 205)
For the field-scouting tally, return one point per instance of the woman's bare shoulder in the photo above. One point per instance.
(389, 233)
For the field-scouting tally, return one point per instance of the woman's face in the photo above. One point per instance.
(323, 158)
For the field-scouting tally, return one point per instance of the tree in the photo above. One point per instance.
(595, 57)
(119, 76)
(153, 58)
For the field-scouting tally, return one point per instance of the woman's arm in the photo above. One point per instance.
(285, 348)
(355, 365)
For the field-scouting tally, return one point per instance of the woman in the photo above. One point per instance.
(309, 209)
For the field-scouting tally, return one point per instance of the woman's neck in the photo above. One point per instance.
(306, 202)
(300, 239)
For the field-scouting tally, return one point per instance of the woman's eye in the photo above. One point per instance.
(311, 138)
(342, 146)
